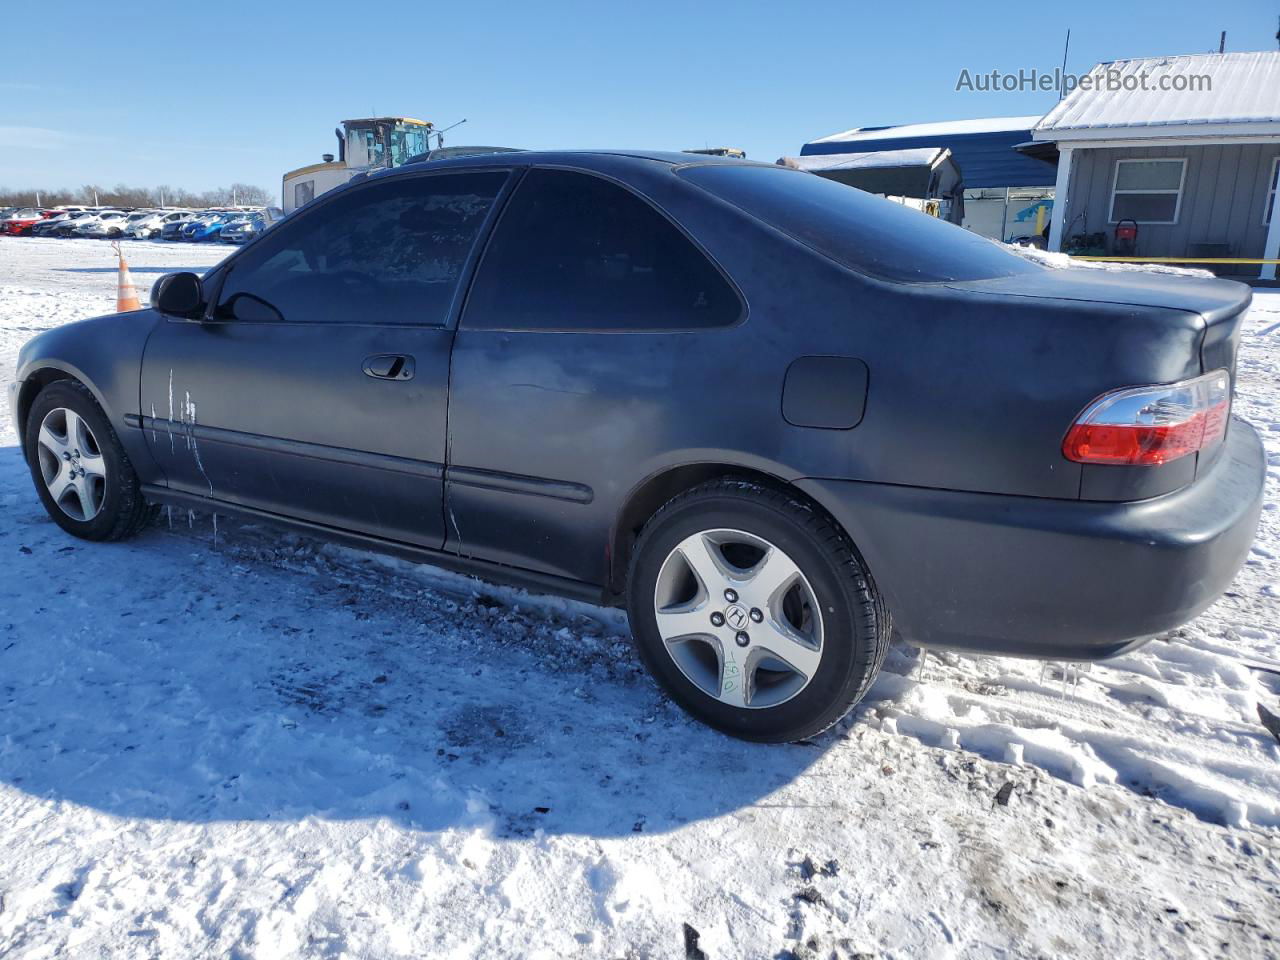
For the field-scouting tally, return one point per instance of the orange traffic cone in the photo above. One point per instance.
(126, 292)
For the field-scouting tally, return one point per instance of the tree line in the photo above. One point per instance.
(122, 195)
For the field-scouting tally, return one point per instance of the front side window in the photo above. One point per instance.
(1147, 191)
(391, 252)
(304, 192)
(577, 252)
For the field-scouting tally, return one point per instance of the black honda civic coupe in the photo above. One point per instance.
(779, 419)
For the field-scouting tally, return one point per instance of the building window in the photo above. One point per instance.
(1274, 183)
(1148, 191)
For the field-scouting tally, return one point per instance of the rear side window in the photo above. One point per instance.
(391, 252)
(862, 231)
(577, 252)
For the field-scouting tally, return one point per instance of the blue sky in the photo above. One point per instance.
(198, 95)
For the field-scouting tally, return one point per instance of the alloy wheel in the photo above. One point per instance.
(739, 618)
(71, 464)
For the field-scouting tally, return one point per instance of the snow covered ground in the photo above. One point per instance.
(255, 745)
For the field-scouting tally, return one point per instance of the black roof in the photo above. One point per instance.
(589, 158)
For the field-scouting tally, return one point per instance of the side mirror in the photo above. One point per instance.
(178, 294)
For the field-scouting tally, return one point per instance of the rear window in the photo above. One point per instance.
(862, 231)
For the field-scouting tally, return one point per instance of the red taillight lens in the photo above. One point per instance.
(1148, 426)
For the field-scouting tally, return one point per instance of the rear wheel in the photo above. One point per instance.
(81, 472)
(754, 612)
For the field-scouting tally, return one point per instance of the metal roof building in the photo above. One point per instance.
(1140, 96)
(1187, 147)
(982, 149)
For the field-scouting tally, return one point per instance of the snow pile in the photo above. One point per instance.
(1063, 261)
(268, 747)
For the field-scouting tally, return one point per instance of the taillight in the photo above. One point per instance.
(1148, 426)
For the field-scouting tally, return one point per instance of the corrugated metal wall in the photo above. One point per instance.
(1223, 198)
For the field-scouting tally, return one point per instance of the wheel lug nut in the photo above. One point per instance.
(756, 615)
(742, 638)
(717, 619)
(731, 596)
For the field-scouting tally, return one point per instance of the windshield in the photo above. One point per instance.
(406, 142)
(860, 230)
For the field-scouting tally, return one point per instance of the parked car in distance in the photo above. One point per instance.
(68, 227)
(106, 225)
(154, 223)
(243, 229)
(196, 224)
(19, 222)
(211, 229)
(172, 230)
(777, 418)
(112, 227)
(78, 226)
(49, 226)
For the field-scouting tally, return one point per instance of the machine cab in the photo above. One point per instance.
(372, 143)
(381, 142)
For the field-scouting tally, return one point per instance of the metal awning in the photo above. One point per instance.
(925, 173)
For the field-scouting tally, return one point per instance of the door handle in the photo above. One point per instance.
(389, 366)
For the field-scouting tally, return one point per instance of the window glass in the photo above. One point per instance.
(1147, 191)
(407, 141)
(1149, 175)
(387, 253)
(1145, 207)
(864, 232)
(576, 252)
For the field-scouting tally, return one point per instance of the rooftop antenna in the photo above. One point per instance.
(440, 133)
(1222, 42)
(1062, 77)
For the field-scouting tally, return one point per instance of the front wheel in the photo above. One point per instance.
(81, 472)
(754, 611)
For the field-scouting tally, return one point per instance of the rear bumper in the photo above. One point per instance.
(1055, 579)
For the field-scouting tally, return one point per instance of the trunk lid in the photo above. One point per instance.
(1220, 304)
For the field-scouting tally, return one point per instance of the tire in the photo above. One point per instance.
(119, 508)
(820, 636)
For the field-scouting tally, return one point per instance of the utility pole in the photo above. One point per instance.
(1222, 42)
(1062, 79)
